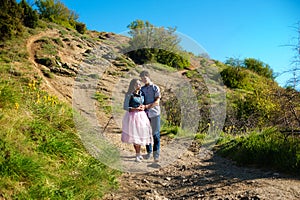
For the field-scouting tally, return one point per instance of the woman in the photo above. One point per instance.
(136, 127)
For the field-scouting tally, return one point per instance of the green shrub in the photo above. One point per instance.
(259, 67)
(255, 109)
(30, 16)
(233, 77)
(266, 149)
(80, 27)
(10, 20)
(252, 64)
(169, 130)
(173, 110)
(177, 60)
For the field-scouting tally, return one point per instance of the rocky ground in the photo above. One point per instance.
(200, 174)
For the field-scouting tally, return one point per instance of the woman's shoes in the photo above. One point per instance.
(138, 158)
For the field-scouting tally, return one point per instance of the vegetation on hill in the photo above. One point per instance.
(262, 119)
(14, 16)
(41, 155)
(155, 44)
(262, 124)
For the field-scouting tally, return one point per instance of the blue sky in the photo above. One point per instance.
(259, 29)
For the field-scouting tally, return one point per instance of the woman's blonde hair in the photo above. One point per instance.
(131, 87)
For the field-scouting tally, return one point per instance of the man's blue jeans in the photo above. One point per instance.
(155, 125)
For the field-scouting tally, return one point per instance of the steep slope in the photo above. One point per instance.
(41, 154)
(68, 50)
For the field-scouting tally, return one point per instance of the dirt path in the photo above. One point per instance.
(47, 85)
(202, 175)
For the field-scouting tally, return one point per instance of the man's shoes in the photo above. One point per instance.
(156, 156)
(147, 156)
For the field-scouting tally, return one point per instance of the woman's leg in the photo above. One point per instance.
(137, 148)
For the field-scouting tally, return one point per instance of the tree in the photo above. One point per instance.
(252, 64)
(10, 19)
(146, 35)
(57, 12)
(295, 80)
(150, 43)
(30, 16)
(234, 62)
(259, 67)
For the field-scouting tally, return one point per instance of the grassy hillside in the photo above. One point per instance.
(41, 155)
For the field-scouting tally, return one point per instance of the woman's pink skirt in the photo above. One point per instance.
(136, 128)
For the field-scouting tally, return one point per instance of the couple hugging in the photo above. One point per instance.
(141, 122)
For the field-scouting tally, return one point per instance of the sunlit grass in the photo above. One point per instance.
(268, 148)
(41, 150)
(41, 155)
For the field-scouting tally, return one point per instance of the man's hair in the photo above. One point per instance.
(145, 73)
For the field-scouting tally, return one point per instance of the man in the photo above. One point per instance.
(152, 108)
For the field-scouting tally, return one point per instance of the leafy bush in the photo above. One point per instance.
(13, 16)
(80, 27)
(30, 16)
(10, 20)
(172, 109)
(252, 64)
(287, 116)
(259, 67)
(255, 108)
(176, 60)
(170, 130)
(233, 77)
(268, 148)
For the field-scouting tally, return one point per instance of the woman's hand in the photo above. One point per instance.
(141, 107)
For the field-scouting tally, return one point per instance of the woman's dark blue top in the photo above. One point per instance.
(133, 100)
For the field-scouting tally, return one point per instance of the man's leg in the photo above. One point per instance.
(149, 147)
(155, 124)
(149, 151)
